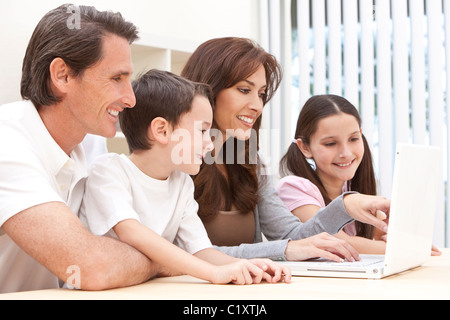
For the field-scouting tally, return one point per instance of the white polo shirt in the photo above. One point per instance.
(33, 170)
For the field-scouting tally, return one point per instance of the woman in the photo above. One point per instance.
(237, 202)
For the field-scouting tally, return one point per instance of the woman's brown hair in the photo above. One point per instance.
(295, 163)
(222, 63)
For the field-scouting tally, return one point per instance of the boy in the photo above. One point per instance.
(147, 200)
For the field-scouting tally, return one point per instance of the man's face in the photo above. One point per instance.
(103, 90)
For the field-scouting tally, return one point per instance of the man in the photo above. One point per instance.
(75, 81)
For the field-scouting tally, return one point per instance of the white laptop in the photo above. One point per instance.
(413, 206)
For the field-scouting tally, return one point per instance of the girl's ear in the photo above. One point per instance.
(304, 149)
(159, 130)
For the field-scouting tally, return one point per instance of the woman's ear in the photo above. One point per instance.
(159, 130)
(304, 149)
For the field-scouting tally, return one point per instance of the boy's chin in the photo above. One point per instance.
(192, 170)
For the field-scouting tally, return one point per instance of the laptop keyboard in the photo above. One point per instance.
(364, 262)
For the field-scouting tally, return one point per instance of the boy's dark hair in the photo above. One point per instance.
(79, 45)
(158, 94)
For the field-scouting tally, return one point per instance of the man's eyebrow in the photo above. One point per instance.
(122, 73)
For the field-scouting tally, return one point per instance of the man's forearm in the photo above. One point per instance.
(56, 238)
(122, 266)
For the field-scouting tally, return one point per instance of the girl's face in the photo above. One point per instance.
(238, 107)
(336, 147)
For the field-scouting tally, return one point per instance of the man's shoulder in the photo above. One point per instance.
(14, 111)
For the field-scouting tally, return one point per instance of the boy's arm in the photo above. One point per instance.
(179, 261)
(215, 257)
(160, 250)
(56, 238)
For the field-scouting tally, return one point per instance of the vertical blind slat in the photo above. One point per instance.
(436, 100)
(367, 70)
(264, 139)
(418, 107)
(400, 67)
(447, 59)
(318, 17)
(334, 47)
(384, 83)
(351, 88)
(435, 63)
(303, 50)
(276, 101)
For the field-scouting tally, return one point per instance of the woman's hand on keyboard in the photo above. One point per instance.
(322, 245)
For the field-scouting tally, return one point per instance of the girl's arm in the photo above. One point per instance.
(306, 212)
(179, 261)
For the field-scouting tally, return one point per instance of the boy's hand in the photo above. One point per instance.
(273, 272)
(239, 272)
(250, 272)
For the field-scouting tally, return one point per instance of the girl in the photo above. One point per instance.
(237, 203)
(329, 135)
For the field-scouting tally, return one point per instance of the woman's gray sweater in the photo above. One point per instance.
(279, 225)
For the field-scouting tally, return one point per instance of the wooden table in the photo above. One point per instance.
(431, 281)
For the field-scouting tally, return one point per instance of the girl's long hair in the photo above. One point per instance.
(295, 163)
(222, 63)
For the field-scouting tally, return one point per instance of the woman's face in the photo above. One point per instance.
(238, 107)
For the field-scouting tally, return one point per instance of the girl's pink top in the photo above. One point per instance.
(297, 192)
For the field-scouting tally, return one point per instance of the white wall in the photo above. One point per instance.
(191, 21)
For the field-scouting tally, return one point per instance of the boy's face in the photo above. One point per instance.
(191, 139)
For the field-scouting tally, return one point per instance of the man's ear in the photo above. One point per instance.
(59, 75)
(160, 130)
(304, 149)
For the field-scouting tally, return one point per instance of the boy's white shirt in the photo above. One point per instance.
(117, 190)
